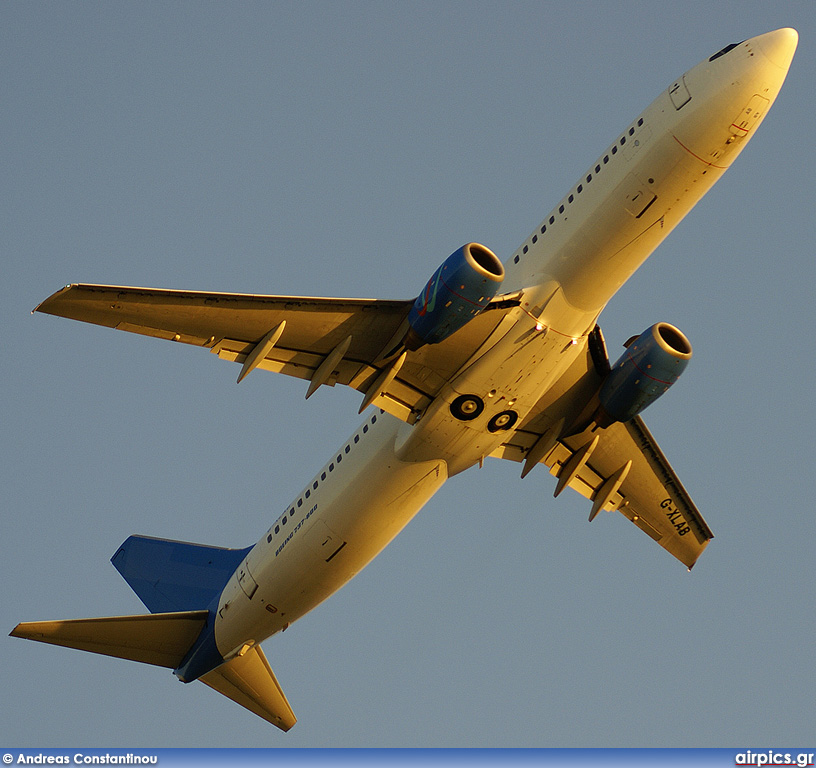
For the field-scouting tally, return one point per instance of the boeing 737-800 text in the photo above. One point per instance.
(491, 359)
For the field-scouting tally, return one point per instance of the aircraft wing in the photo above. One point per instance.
(240, 327)
(619, 468)
(622, 468)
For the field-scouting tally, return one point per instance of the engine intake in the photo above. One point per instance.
(652, 362)
(458, 291)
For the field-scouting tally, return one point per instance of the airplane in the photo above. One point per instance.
(491, 359)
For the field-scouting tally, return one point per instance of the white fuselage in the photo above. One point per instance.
(617, 213)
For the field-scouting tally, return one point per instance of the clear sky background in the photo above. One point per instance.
(345, 149)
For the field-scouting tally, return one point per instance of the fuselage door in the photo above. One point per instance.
(679, 93)
(749, 116)
(637, 197)
(248, 584)
(323, 540)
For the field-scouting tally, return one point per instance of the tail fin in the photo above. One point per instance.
(170, 576)
(178, 583)
(164, 639)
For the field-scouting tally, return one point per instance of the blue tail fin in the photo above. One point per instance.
(173, 576)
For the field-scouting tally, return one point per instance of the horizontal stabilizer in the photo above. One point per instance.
(249, 681)
(162, 639)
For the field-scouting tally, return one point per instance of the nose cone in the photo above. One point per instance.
(778, 46)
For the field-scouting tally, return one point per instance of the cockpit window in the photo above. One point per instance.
(725, 50)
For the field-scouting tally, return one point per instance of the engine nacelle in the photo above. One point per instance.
(651, 364)
(458, 291)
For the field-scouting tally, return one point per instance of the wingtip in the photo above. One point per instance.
(44, 302)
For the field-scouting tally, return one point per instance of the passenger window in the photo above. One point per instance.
(552, 219)
(283, 522)
(331, 467)
(515, 261)
(535, 238)
(300, 502)
(322, 475)
(306, 495)
(314, 485)
(348, 448)
(277, 529)
(365, 429)
(524, 250)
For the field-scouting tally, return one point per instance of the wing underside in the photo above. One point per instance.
(624, 470)
(618, 468)
(322, 340)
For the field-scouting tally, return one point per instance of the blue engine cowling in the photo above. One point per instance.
(461, 288)
(651, 364)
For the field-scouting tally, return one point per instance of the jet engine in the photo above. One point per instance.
(458, 291)
(652, 362)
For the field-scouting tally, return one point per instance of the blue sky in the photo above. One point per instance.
(345, 149)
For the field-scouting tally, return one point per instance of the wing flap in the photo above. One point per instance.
(292, 362)
(401, 399)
